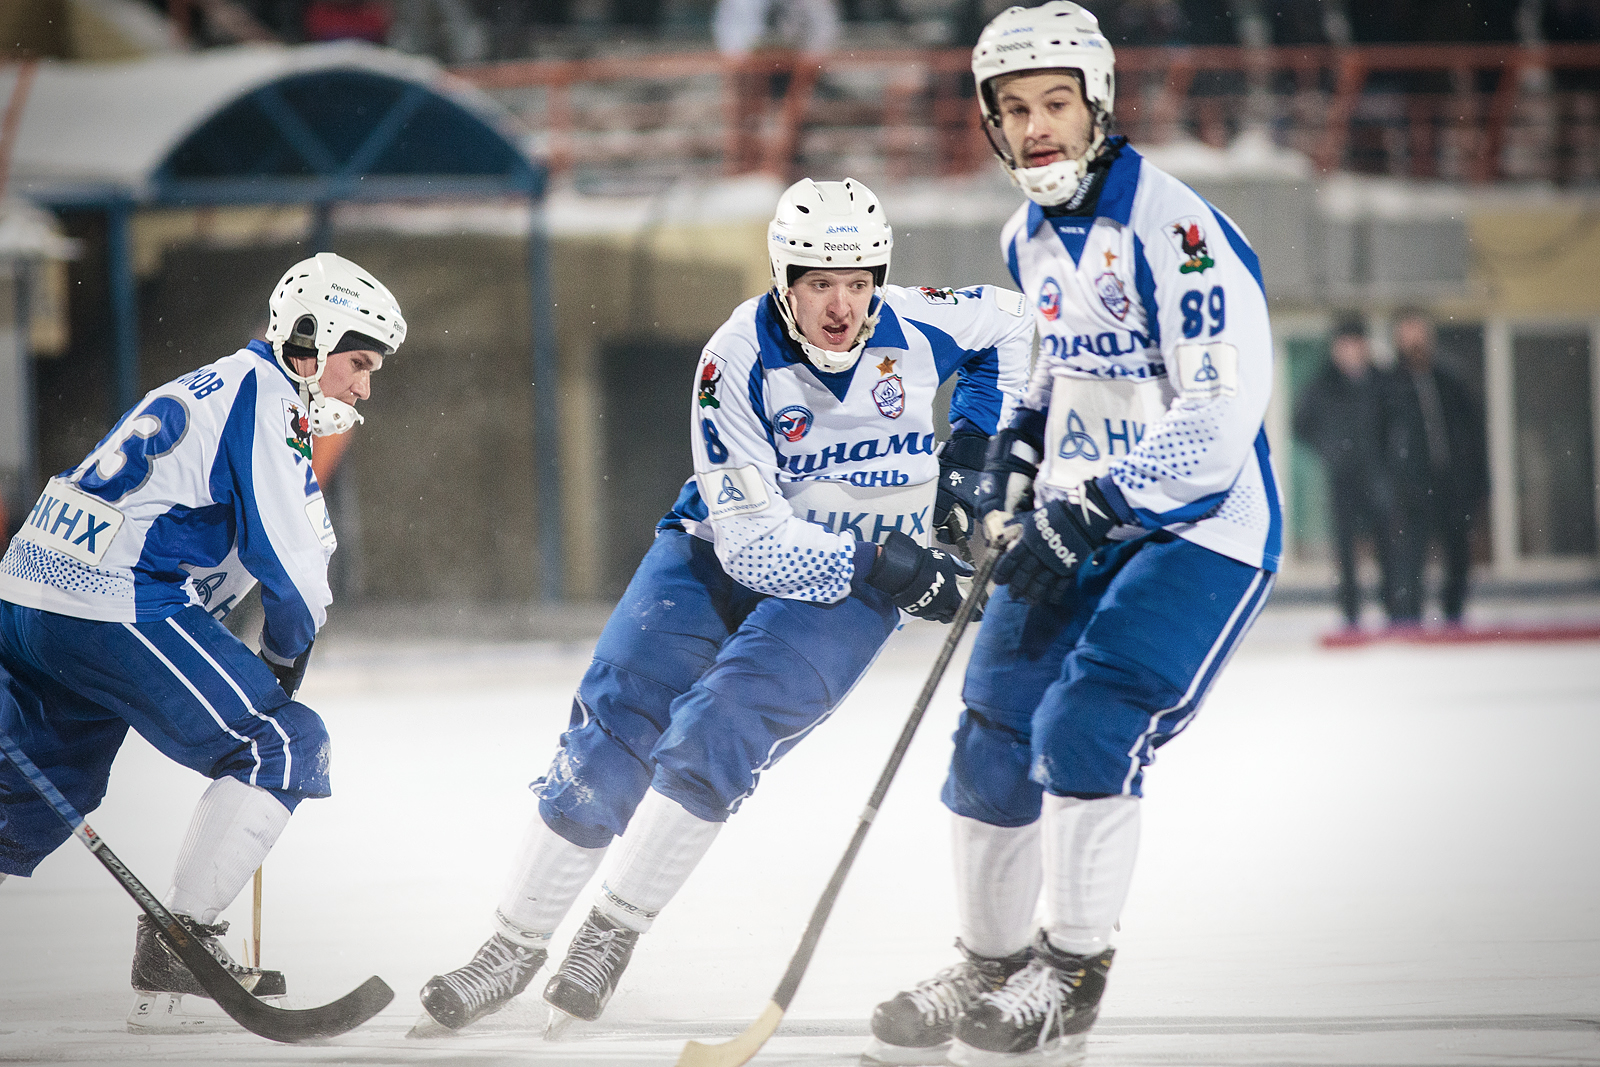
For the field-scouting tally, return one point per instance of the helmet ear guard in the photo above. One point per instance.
(827, 226)
(1059, 35)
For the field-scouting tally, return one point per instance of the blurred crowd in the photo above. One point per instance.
(1404, 457)
(511, 27)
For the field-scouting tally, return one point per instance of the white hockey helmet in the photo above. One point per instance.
(1059, 35)
(313, 306)
(827, 226)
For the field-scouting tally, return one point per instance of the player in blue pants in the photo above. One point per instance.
(1134, 494)
(113, 591)
(770, 587)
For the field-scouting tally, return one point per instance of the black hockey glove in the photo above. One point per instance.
(1052, 544)
(924, 582)
(290, 673)
(955, 505)
(1008, 473)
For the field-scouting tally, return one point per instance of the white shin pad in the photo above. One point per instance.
(550, 873)
(998, 875)
(1089, 850)
(233, 828)
(662, 847)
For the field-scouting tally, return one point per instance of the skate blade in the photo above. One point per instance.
(1067, 1052)
(557, 1024)
(163, 1013)
(882, 1054)
(428, 1028)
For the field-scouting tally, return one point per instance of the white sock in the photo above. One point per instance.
(663, 845)
(233, 828)
(1089, 849)
(998, 875)
(550, 873)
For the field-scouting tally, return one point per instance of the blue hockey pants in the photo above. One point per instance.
(697, 686)
(70, 688)
(1075, 698)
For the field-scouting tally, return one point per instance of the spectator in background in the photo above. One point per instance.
(808, 25)
(1339, 415)
(1438, 463)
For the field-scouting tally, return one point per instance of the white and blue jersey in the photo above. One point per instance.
(796, 467)
(1154, 371)
(740, 631)
(199, 491)
(1155, 361)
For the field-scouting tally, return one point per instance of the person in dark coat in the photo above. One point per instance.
(1339, 415)
(1438, 462)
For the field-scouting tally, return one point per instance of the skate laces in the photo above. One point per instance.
(210, 937)
(492, 973)
(1035, 993)
(947, 993)
(593, 954)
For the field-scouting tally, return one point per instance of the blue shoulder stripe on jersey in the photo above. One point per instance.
(772, 343)
(1011, 255)
(977, 394)
(232, 481)
(264, 350)
(1116, 196)
(1241, 248)
(1272, 552)
(687, 506)
(1031, 227)
(888, 333)
(756, 387)
(1144, 283)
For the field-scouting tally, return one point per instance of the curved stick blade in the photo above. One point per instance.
(740, 1049)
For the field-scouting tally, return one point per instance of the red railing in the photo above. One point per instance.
(1456, 112)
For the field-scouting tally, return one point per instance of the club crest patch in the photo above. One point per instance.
(1108, 287)
(1050, 300)
(1190, 238)
(298, 428)
(937, 296)
(890, 396)
(710, 378)
(794, 422)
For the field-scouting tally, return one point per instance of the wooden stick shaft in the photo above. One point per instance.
(255, 921)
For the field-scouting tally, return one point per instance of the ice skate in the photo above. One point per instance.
(1039, 1018)
(160, 981)
(499, 971)
(914, 1026)
(588, 976)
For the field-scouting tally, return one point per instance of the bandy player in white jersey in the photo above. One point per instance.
(1134, 491)
(113, 591)
(773, 582)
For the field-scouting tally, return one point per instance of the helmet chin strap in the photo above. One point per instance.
(325, 414)
(822, 358)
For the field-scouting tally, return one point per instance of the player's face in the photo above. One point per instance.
(346, 376)
(1044, 117)
(830, 305)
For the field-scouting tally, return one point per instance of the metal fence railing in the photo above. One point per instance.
(1454, 112)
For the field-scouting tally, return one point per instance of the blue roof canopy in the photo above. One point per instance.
(342, 134)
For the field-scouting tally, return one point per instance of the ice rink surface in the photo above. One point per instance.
(1383, 856)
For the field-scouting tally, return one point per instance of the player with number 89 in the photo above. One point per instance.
(1134, 491)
